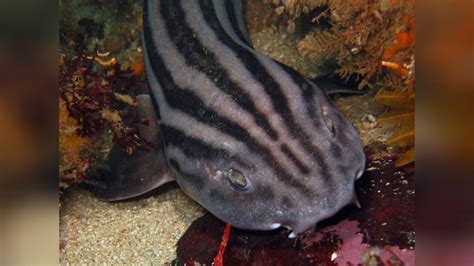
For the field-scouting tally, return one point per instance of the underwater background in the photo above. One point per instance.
(369, 44)
(91, 231)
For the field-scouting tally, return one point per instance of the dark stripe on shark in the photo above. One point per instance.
(234, 21)
(189, 103)
(311, 110)
(303, 168)
(308, 92)
(272, 88)
(203, 59)
(195, 148)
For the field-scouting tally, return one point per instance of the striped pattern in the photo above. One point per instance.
(207, 91)
(220, 100)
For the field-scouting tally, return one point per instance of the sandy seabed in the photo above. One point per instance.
(136, 231)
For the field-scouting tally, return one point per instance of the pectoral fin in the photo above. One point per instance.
(143, 171)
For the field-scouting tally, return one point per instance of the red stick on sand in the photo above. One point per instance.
(219, 258)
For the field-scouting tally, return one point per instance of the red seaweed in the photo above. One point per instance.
(218, 260)
(95, 101)
(387, 196)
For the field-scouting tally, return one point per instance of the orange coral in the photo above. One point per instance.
(403, 39)
(72, 164)
(395, 67)
(363, 36)
(138, 67)
(107, 63)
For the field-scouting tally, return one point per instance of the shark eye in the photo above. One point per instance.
(237, 179)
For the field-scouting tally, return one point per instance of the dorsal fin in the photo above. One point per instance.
(230, 14)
